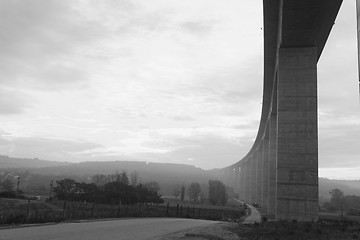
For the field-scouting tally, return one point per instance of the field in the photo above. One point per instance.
(283, 230)
(336, 216)
(328, 227)
(13, 211)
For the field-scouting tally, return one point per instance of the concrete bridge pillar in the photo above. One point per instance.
(242, 182)
(272, 157)
(231, 175)
(259, 174)
(297, 148)
(248, 175)
(237, 180)
(253, 195)
(265, 182)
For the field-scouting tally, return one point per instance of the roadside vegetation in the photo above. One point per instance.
(114, 196)
(342, 204)
(338, 219)
(283, 230)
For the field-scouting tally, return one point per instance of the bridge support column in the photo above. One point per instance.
(297, 149)
(237, 180)
(254, 178)
(231, 176)
(242, 182)
(272, 162)
(248, 174)
(259, 174)
(265, 173)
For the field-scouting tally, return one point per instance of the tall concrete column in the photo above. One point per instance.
(297, 149)
(237, 180)
(231, 178)
(248, 178)
(259, 174)
(242, 182)
(222, 176)
(272, 155)
(265, 183)
(254, 177)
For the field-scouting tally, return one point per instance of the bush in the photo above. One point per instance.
(354, 212)
(8, 195)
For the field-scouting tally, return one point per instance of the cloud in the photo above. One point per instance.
(13, 102)
(45, 148)
(197, 27)
(340, 173)
(338, 137)
(40, 40)
(160, 80)
(182, 118)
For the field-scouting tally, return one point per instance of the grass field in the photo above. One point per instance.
(284, 230)
(13, 211)
(337, 216)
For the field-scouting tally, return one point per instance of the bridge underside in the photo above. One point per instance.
(280, 172)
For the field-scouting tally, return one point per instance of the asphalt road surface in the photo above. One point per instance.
(125, 229)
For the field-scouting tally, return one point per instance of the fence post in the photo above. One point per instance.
(84, 209)
(177, 209)
(92, 210)
(119, 209)
(28, 211)
(167, 209)
(64, 210)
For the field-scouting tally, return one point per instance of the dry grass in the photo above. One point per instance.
(283, 230)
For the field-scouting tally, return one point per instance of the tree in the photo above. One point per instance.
(8, 185)
(145, 195)
(352, 204)
(121, 177)
(88, 192)
(337, 196)
(99, 179)
(194, 191)
(217, 192)
(182, 196)
(116, 192)
(153, 186)
(176, 192)
(67, 189)
(134, 178)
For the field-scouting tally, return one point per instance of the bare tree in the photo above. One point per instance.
(194, 191)
(176, 192)
(134, 178)
(8, 185)
(182, 194)
(153, 186)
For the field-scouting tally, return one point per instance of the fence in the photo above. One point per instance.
(57, 211)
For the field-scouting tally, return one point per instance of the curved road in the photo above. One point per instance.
(125, 229)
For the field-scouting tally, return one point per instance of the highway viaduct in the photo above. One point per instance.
(280, 172)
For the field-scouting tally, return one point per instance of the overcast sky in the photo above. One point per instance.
(159, 81)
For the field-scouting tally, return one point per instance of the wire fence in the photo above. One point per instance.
(56, 211)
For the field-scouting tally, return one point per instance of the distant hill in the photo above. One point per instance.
(168, 175)
(10, 162)
(37, 174)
